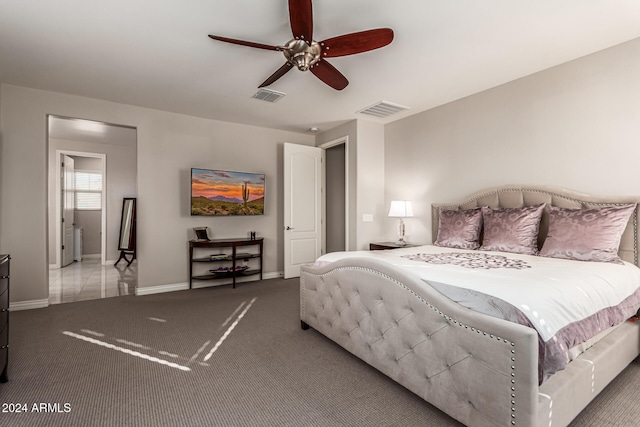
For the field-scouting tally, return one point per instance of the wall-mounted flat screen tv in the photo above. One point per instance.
(225, 193)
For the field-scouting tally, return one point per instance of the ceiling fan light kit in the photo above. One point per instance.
(301, 54)
(307, 54)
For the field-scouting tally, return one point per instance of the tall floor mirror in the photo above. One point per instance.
(127, 242)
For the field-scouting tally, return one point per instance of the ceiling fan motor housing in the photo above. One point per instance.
(301, 54)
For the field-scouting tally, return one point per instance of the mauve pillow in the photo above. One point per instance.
(512, 229)
(586, 234)
(459, 229)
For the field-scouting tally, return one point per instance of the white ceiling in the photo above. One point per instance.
(156, 53)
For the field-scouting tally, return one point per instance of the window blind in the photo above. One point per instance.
(88, 191)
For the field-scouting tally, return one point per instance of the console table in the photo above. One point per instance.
(226, 259)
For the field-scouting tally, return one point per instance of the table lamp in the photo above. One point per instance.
(400, 209)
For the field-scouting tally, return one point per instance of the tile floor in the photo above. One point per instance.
(89, 279)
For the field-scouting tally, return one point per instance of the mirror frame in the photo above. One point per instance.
(127, 239)
(127, 224)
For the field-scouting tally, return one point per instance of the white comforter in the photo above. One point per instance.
(551, 293)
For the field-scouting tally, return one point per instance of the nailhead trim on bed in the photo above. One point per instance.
(451, 320)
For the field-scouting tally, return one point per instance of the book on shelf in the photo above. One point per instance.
(217, 257)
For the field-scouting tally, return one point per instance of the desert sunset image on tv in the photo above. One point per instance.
(224, 193)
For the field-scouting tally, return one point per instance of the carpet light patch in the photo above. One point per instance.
(200, 350)
(228, 331)
(133, 344)
(127, 351)
(233, 314)
(90, 332)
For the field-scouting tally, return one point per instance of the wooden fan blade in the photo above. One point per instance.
(362, 41)
(279, 73)
(246, 43)
(330, 75)
(301, 18)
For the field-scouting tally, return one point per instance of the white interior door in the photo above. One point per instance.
(302, 207)
(68, 186)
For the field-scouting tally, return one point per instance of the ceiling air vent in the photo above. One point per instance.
(268, 95)
(383, 109)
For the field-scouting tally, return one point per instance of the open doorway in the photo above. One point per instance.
(80, 218)
(336, 195)
(92, 167)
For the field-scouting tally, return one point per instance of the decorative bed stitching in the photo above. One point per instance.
(451, 320)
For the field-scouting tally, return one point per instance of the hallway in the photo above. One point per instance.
(89, 279)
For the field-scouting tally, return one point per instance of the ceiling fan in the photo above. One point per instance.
(307, 54)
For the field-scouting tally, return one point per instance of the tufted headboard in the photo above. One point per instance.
(514, 196)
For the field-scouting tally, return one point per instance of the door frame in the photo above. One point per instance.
(342, 140)
(58, 203)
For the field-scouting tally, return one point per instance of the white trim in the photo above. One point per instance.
(58, 233)
(273, 275)
(149, 290)
(342, 140)
(323, 200)
(29, 305)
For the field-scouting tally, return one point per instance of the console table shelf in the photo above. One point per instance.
(226, 271)
(225, 274)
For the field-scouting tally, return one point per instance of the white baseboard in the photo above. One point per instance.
(29, 305)
(149, 290)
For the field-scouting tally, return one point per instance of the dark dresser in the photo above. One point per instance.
(4, 317)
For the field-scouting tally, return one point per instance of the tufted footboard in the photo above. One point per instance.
(478, 369)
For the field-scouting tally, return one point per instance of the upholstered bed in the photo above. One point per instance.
(480, 369)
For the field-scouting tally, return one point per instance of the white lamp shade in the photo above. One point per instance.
(401, 209)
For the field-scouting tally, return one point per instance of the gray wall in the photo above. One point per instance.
(169, 145)
(121, 182)
(91, 224)
(371, 176)
(576, 125)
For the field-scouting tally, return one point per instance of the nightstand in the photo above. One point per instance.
(379, 246)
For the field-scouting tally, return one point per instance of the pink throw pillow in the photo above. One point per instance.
(586, 234)
(459, 229)
(512, 230)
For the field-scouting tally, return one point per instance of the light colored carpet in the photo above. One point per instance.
(123, 362)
